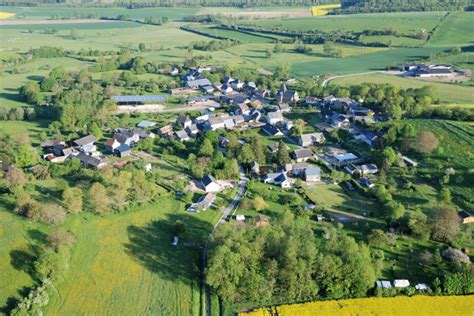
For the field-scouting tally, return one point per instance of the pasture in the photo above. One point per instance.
(242, 37)
(402, 305)
(447, 93)
(405, 22)
(456, 30)
(41, 13)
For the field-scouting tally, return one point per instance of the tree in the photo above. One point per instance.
(15, 177)
(50, 265)
(426, 142)
(25, 156)
(60, 237)
(206, 148)
(53, 214)
(141, 47)
(259, 203)
(377, 238)
(246, 154)
(445, 195)
(298, 128)
(387, 157)
(282, 155)
(445, 224)
(98, 198)
(72, 199)
(394, 211)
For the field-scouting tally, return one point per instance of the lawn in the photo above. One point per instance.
(448, 93)
(405, 22)
(456, 30)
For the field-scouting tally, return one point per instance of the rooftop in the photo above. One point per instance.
(138, 98)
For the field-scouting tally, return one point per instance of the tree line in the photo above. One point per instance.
(363, 6)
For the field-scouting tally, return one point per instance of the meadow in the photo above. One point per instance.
(415, 305)
(456, 30)
(447, 93)
(403, 22)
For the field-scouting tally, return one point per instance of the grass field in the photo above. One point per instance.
(363, 63)
(456, 30)
(242, 37)
(69, 12)
(415, 305)
(448, 93)
(405, 22)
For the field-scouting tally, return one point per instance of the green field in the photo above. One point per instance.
(456, 30)
(363, 63)
(448, 93)
(68, 12)
(242, 37)
(403, 22)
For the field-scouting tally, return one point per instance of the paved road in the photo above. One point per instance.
(229, 211)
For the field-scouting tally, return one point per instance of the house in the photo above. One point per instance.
(240, 217)
(401, 283)
(90, 161)
(366, 182)
(192, 130)
(239, 120)
(237, 84)
(226, 89)
(278, 178)
(297, 169)
(111, 144)
(368, 169)
(311, 100)
(166, 131)
(146, 124)
(69, 152)
(287, 125)
(312, 174)
(287, 96)
(302, 154)
(210, 184)
(86, 144)
(236, 98)
(53, 145)
(183, 121)
(274, 117)
(227, 80)
(123, 150)
(181, 135)
(208, 89)
(284, 108)
(54, 159)
(204, 202)
(310, 139)
(384, 284)
(174, 71)
(466, 217)
(261, 221)
(273, 147)
(214, 123)
(338, 120)
(198, 83)
(242, 109)
(127, 137)
(352, 169)
(360, 113)
(345, 159)
(271, 130)
(142, 134)
(341, 104)
(255, 168)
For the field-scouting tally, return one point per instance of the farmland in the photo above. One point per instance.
(420, 305)
(456, 29)
(448, 93)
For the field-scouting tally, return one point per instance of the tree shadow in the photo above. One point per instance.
(150, 245)
(23, 261)
(38, 236)
(12, 301)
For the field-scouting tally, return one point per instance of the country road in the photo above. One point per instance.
(229, 211)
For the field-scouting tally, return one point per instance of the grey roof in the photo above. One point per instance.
(123, 148)
(270, 130)
(313, 171)
(85, 140)
(182, 134)
(275, 115)
(208, 179)
(199, 82)
(146, 124)
(303, 153)
(201, 98)
(88, 160)
(138, 98)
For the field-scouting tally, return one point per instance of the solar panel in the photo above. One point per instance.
(139, 98)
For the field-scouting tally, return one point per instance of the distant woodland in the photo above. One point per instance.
(354, 6)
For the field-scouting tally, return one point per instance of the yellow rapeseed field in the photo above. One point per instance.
(318, 10)
(401, 305)
(6, 15)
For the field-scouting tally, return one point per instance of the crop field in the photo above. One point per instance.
(403, 22)
(242, 37)
(448, 93)
(415, 305)
(456, 30)
(362, 63)
(65, 12)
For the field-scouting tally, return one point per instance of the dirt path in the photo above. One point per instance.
(51, 22)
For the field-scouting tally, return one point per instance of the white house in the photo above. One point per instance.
(210, 184)
(274, 117)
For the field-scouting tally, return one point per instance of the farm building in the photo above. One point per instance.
(210, 184)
